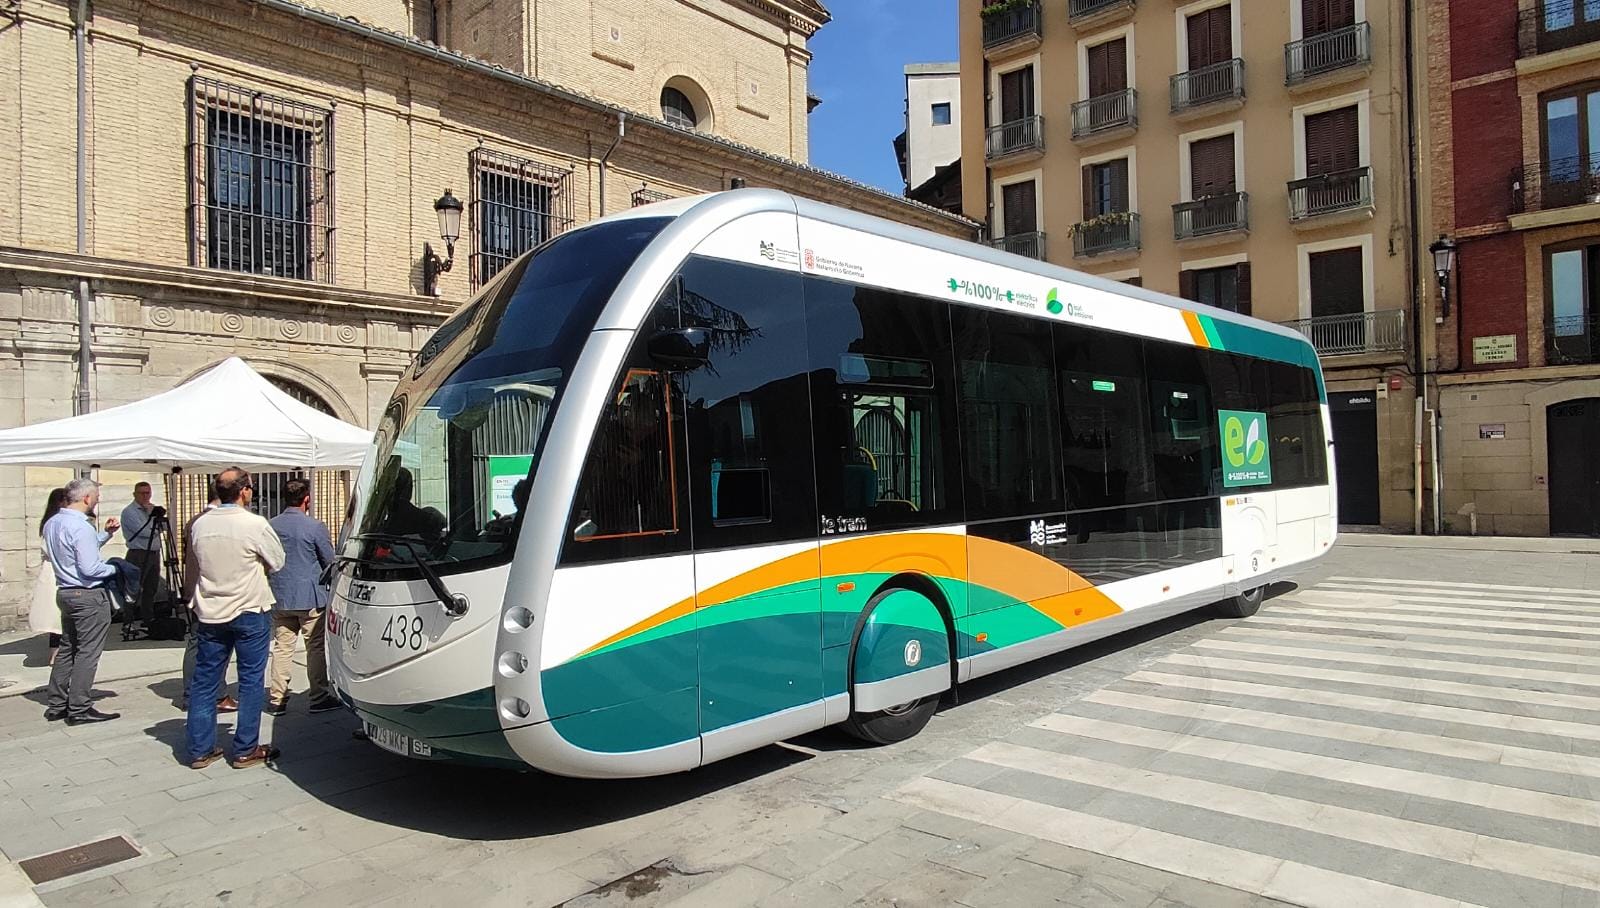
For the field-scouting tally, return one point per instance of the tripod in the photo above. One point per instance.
(159, 527)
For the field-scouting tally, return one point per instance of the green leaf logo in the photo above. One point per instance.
(1253, 445)
(1051, 303)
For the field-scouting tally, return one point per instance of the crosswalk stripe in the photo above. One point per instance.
(1423, 839)
(1285, 618)
(1579, 595)
(1404, 660)
(1234, 867)
(1372, 736)
(1387, 705)
(1562, 603)
(1287, 638)
(1387, 619)
(1532, 608)
(1375, 678)
(1428, 785)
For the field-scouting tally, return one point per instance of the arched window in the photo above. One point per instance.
(302, 394)
(677, 109)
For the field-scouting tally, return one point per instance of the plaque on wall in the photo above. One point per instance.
(1496, 348)
(1491, 430)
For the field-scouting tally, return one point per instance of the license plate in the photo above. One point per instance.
(397, 743)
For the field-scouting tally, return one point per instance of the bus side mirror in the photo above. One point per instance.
(681, 349)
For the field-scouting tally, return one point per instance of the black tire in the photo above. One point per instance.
(1243, 605)
(893, 725)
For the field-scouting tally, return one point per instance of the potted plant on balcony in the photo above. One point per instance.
(1005, 6)
(1110, 218)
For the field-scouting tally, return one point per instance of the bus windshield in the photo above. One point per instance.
(453, 456)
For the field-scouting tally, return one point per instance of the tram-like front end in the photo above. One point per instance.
(429, 545)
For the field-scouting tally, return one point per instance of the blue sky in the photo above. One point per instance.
(859, 72)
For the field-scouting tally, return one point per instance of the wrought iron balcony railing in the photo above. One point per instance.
(1028, 244)
(1359, 332)
(1544, 185)
(1572, 340)
(1117, 110)
(1078, 10)
(1208, 85)
(1107, 233)
(1327, 193)
(1026, 134)
(645, 196)
(1224, 213)
(1015, 24)
(1550, 25)
(1328, 52)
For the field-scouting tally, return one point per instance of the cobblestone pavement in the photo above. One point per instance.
(1411, 726)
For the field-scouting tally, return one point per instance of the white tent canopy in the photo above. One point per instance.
(228, 416)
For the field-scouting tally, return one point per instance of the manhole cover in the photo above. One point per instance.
(78, 859)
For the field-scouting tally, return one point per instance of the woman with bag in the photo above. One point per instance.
(44, 617)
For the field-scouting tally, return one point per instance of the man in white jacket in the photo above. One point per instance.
(232, 551)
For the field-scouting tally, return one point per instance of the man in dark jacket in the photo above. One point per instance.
(301, 598)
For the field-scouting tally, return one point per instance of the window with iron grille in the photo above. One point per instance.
(261, 183)
(516, 205)
(645, 196)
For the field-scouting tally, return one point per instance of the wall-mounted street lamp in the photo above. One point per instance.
(1444, 262)
(448, 208)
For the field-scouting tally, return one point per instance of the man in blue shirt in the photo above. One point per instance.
(81, 573)
(299, 599)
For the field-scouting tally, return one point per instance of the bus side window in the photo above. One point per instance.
(884, 400)
(1104, 424)
(1294, 422)
(748, 410)
(1183, 430)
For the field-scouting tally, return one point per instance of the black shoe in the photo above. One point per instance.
(55, 715)
(324, 704)
(277, 709)
(92, 715)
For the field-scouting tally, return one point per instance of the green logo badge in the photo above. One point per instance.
(1051, 303)
(1246, 460)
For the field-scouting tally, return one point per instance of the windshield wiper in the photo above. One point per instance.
(455, 604)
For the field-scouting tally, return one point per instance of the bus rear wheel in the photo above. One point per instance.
(895, 724)
(1243, 605)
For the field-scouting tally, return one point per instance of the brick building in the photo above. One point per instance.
(1245, 154)
(259, 179)
(1509, 174)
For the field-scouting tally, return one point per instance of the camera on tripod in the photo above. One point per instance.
(166, 618)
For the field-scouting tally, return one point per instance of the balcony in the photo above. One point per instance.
(1107, 117)
(1328, 58)
(1212, 219)
(1012, 29)
(1030, 245)
(1208, 90)
(1331, 198)
(1113, 235)
(1547, 193)
(1086, 14)
(1555, 25)
(1572, 341)
(1021, 139)
(1355, 334)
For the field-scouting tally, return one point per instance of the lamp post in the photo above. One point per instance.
(448, 208)
(1444, 262)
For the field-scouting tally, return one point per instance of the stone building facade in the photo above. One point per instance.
(261, 176)
(1244, 154)
(1510, 176)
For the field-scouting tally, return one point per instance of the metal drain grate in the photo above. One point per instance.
(78, 859)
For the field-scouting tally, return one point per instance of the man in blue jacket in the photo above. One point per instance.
(301, 598)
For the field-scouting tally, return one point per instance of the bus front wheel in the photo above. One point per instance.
(895, 724)
(1243, 605)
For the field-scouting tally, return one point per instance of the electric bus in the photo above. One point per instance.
(718, 471)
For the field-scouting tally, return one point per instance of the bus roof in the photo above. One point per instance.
(699, 217)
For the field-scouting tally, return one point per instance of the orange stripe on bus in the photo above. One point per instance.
(1196, 332)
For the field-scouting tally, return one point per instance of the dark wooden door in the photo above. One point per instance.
(1333, 141)
(1210, 37)
(1021, 208)
(1211, 166)
(1016, 95)
(1108, 68)
(1355, 456)
(1573, 436)
(1105, 188)
(1337, 282)
(1321, 16)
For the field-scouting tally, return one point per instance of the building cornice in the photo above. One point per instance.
(801, 15)
(219, 285)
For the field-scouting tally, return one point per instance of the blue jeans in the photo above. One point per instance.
(249, 635)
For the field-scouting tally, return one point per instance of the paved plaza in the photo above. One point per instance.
(1415, 723)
